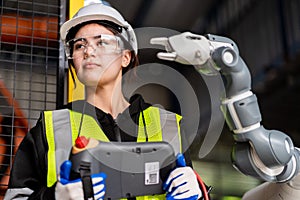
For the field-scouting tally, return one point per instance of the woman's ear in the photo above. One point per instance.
(126, 57)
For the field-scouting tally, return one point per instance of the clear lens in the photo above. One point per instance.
(103, 44)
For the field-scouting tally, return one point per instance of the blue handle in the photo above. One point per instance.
(65, 170)
(180, 160)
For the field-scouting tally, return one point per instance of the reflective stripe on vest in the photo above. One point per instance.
(161, 125)
(62, 129)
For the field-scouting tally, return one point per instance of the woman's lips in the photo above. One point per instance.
(91, 65)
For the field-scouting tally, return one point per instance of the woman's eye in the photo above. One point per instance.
(102, 43)
(79, 46)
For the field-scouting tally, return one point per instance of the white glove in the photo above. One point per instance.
(182, 183)
(72, 189)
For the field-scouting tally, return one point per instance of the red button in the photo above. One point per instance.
(81, 142)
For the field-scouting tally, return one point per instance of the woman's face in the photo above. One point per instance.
(96, 62)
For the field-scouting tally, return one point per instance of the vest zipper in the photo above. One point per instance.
(117, 131)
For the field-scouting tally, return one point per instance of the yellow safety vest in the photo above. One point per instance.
(62, 127)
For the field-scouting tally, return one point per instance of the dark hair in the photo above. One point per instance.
(116, 30)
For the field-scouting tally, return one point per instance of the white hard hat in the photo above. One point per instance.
(99, 11)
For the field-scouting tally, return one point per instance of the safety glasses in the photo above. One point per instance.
(100, 44)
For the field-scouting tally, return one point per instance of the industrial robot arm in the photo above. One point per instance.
(265, 154)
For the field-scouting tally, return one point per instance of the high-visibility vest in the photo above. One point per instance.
(62, 128)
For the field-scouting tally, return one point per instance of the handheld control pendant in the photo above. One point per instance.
(144, 165)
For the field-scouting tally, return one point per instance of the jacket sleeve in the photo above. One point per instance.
(28, 175)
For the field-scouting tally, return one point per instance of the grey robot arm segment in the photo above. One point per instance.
(266, 154)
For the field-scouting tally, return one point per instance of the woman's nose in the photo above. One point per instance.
(89, 50)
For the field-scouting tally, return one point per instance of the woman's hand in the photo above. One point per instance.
(182, 182)
(72, 189)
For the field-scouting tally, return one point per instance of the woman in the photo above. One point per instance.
(101, 46)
